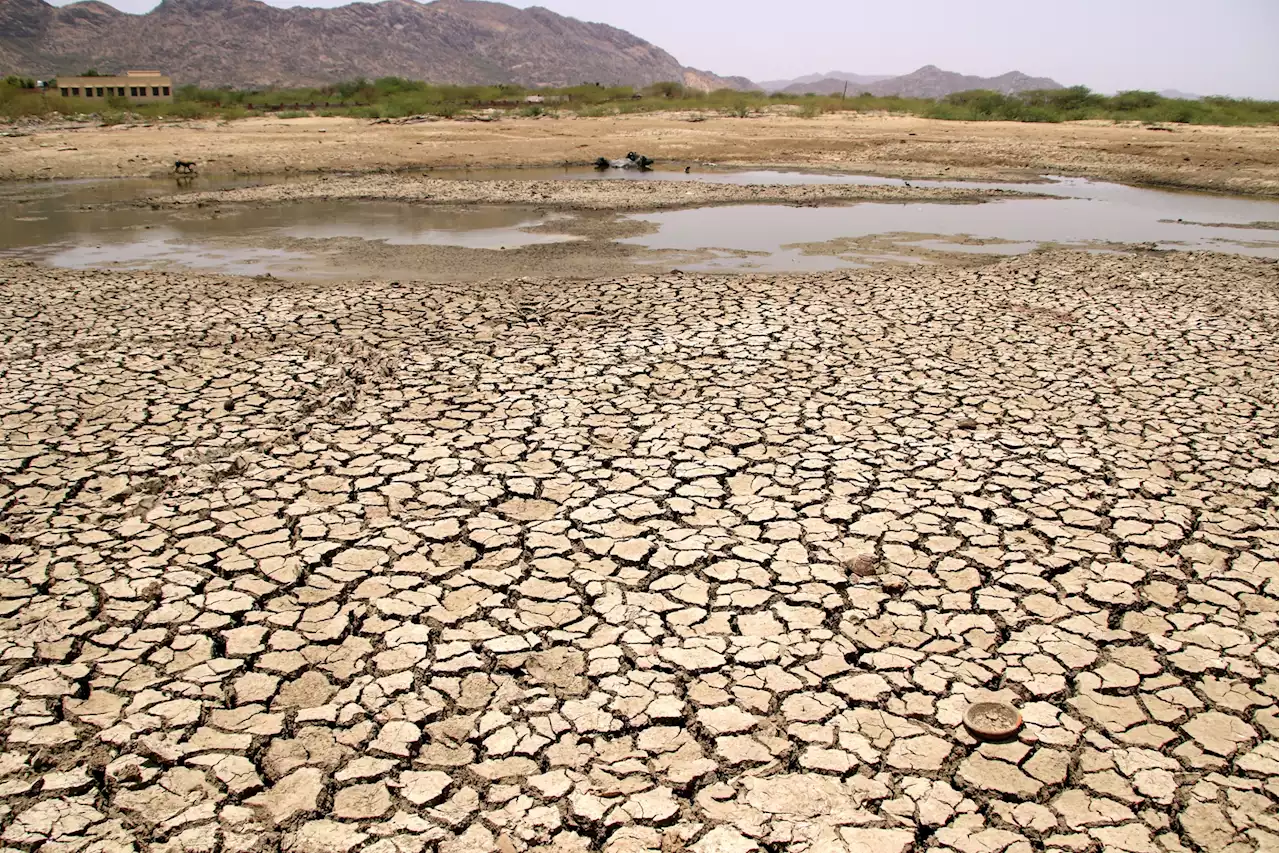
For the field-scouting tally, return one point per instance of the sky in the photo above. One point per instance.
(1229, 47)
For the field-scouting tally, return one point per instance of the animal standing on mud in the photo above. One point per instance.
(185, 166)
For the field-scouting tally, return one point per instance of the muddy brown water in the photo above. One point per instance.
(48, 222)
(1107, 219)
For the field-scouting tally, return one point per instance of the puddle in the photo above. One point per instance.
(314, 239)
(993, 248)
(1086, 216)
(48, 225)
(407, 225)
(158, 252)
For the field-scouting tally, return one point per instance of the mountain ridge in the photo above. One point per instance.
(246, 43)
(779, 85)
(928, 81)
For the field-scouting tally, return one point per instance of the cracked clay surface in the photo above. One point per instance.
(661, 563)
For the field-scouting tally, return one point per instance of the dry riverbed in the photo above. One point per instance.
(641, 563)
(1239, 160)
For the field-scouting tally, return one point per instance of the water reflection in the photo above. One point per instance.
(63, 223)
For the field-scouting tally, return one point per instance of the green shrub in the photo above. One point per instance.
(177, 109)
(666, 89)
(293, 114)
(398, 97)
(1135, 100)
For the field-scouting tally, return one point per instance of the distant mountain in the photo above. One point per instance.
(927, 82)
(709, 82)
(247, 43)
(1182, 96)
(830, 86)
(779, 85)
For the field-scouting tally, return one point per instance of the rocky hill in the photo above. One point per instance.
(927, 82)
(248, 43)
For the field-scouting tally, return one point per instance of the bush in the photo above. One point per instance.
(666, 89)
(349, 89)
(812, 108)
(1135, 100)
(293, 114)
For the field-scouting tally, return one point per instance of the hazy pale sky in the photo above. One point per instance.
(1229, 47)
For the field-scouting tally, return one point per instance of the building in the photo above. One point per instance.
(140, 87)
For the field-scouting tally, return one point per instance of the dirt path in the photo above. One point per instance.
(1239, 160)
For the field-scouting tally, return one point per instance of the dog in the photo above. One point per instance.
(188, 166)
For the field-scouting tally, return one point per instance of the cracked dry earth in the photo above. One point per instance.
(660, 563)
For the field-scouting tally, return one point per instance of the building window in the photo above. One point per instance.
(65, 91)
(75, 91)
(99, 91)
(133, 91)
(155, 91)
(166, 91)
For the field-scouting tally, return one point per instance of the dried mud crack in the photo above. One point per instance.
(645, 563)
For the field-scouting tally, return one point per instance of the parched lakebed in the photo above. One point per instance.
(664, 562)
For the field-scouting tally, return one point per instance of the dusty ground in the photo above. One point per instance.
(575, 565)
(1242, 160)
(572, 195)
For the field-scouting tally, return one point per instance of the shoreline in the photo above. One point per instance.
(1239, 161)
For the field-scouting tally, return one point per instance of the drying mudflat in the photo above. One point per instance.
(641, 563)
(573, 195)
(1223, 159)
